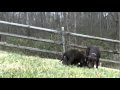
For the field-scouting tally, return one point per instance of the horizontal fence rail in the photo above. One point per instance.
(30, 38)
(92, 37)
(84, 47)
(29, 48)
(111, 61)
(29, 26)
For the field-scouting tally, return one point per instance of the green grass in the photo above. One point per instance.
(14, 65)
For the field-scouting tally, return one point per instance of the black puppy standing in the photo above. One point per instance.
(92, 56)
(73, 57)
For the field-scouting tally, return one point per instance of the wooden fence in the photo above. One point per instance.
(62, 33)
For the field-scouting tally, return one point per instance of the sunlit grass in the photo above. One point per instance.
(14, 65)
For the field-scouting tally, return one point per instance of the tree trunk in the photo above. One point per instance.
(119, 31)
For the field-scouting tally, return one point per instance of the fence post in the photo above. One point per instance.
(63, 39)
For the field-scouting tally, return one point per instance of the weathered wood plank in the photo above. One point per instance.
(31, 38)
(29, 48)
(93, 37)
(29, 26)
(84, 47)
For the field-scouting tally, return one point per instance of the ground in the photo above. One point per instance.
(13, 65)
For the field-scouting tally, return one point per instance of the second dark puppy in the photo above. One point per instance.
(92, 56)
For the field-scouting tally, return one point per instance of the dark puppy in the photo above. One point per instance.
(73, 57)
(92, 56)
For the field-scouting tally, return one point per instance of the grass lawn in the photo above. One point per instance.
(14, 65)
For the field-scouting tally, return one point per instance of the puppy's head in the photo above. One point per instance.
(91, 59)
